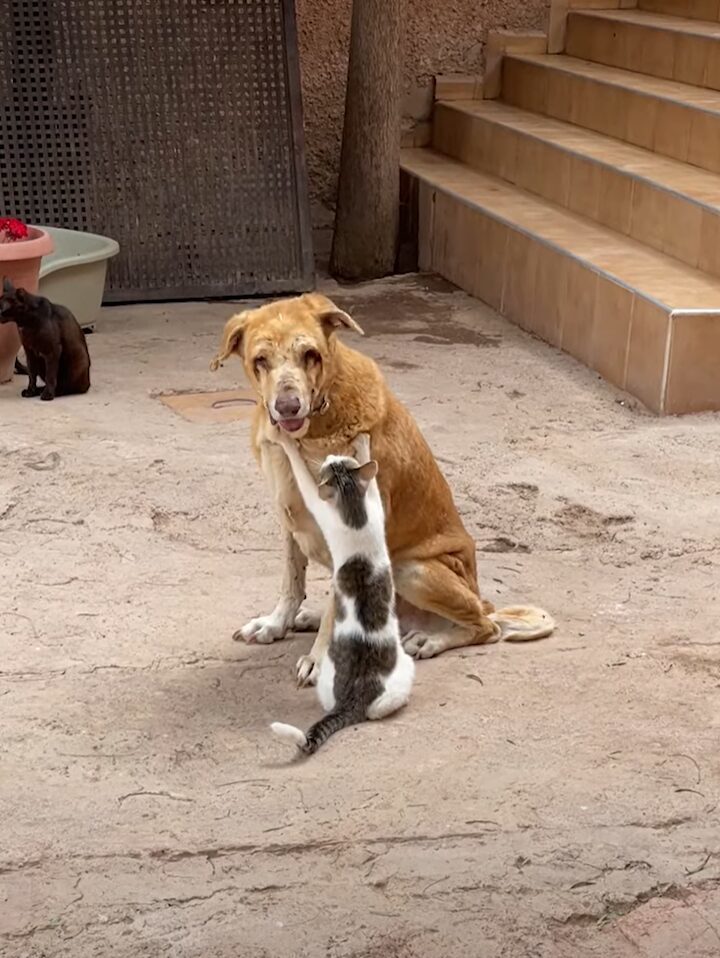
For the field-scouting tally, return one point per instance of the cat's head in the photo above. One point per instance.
(18, 305)
(343, 483)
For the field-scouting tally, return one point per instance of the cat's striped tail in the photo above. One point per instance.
(318, 733)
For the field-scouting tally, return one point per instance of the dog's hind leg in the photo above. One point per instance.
(431, 586)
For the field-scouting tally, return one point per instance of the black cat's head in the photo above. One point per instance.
(18, 305)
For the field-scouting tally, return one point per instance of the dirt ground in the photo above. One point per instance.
(552, 800)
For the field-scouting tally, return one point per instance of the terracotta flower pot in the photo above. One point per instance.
(20, 263)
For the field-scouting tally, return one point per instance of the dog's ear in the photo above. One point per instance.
(330, 316)
(232, 339)
(8, 288)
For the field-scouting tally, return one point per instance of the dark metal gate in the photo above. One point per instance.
(173, 126)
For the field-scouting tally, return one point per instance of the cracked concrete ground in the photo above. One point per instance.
(554, 800)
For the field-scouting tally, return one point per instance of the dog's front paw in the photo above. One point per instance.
(47, 395)
(263, 630)
(306, 671)
(30, 393)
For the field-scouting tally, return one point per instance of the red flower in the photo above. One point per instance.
(12, 230)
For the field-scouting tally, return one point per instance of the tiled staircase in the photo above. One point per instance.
(584, 203)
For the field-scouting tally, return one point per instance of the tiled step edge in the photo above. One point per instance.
(667, 47)
(667, 357)
(668, 118)
(693, 9)
(490, 137)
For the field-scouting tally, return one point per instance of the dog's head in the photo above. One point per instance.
(17, 305)
(289, 352)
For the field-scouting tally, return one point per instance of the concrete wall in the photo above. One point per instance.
(443, 36)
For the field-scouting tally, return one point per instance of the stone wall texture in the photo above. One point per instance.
(442, 36)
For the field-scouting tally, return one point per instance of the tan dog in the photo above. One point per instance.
(324, 394)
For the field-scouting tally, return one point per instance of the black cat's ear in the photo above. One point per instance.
(23, 296)
(8, 288)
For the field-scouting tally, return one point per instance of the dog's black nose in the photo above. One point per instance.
(287, 405)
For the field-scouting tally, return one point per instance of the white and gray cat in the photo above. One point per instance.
(366, 673)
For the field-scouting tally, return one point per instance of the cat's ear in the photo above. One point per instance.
(326, 491)
(365, 474)
(8, 288)
(28, 299)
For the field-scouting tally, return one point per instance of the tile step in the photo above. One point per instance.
(666, 117)
(668, 47)
(644, 321)
(671, 206)
(693, 9)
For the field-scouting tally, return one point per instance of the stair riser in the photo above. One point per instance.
(620, 200)
(672, 129)
(644, 49)
(692, 9)
(631, 341)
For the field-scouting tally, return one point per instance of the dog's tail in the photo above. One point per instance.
(523, 623)
(317, 734)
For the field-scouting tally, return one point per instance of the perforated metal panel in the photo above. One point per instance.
(173, 126)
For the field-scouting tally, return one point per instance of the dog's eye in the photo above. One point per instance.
(260, 364)
(312, 356)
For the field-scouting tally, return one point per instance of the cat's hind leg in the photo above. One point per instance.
(52, 365)
(35, 370)
(397, 688)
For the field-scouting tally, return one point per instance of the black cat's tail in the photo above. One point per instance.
(20, 370)
(318, 733)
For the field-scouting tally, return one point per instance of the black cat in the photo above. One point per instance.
(54, 343)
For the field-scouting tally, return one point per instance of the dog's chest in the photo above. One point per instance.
(293, 512)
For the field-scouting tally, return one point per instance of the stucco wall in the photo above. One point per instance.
(443, 36)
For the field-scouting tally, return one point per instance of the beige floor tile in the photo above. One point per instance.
(693, 382)
(672, 130)
(709, 254)
(704, 142)
(682, 230)
(646, 354)
(611, 330)
(518, 299)
(615, 197)
(584, 190)
(577, 306)
(491, 257)
(550, 287)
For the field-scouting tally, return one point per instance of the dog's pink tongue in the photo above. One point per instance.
(291, 425)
